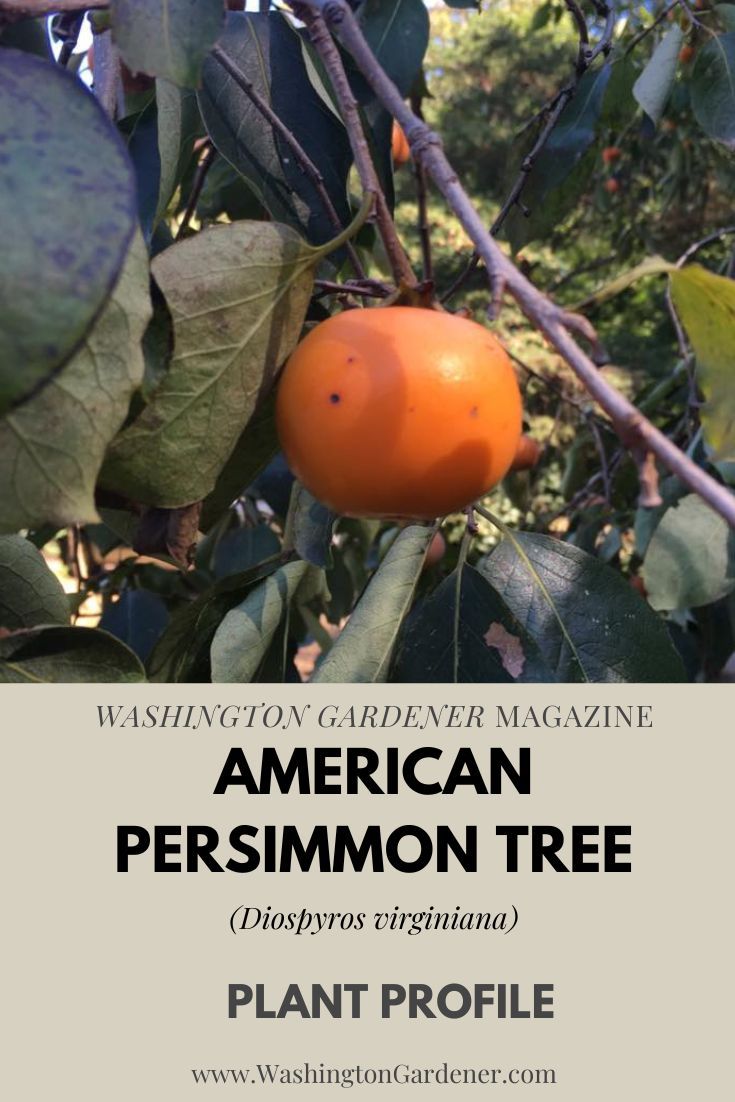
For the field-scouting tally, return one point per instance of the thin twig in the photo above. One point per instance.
(327, 50)
(302, 157)
(205, 163)
(13, 11)
(368, 289)
(550, 115)
(424, 228)
(634, 430)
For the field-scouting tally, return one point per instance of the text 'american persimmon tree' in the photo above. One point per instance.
(366, 342)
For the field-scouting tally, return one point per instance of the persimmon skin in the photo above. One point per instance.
(399, 147)
(398, 412)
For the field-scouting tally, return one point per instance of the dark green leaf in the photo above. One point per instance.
(363, 651)
(398, 33)
(712, 88)
(29, 593)
(255, 448)
(167, 38)
(480, 642)
(137, 618)
(309, 527)
(589, 624)
(179, 125)
(65, 655)
(268, 50)
(73, 215)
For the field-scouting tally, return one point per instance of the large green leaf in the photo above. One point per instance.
(255, 448)
(653, 87)
(481, 641)
(63, 655)
(29, 593)
(246, 632)
(398, 33)
(712, 88)
(363, 651)
(268, 50)
(705, 302)
(691, 557)
(167, 38)
(52, 447)
(589, 624)
(238, 296)
(69, 202)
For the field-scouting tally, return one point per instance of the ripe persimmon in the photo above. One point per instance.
(398, 411)
(527, 454)
(611, 153)
(612, 185)
(399, 147)
(686, 53)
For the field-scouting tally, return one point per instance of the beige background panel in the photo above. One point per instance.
(115, 986)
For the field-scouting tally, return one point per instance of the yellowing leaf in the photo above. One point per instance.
(705, 302)
(652, 265)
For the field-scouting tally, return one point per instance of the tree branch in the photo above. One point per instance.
(12, 11)
(325, 47)
(302, 157)
(634, 430)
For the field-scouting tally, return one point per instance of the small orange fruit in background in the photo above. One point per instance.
(611, 154)
(399, 147)
(399, 411)
(611, 185)
(686, 53)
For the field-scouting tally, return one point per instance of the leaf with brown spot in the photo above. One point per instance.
(508, 646)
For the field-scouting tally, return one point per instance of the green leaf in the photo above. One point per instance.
(182, 652)
(238, 296)
(245, 634)
(653, 87)
(137, 618)
(712, 88)
(167, 38)
(588, 623)
(398, 33)
(705, 302)
(309, 527)
(691, 557)
(726, 13)
(480, 642)
(64, 655)
(70, 206)
(179, 124)
(255, 448)
(268, 51)
(362, 653)
(652, 265)
(29, 593)
(561, 172)
(52, 447)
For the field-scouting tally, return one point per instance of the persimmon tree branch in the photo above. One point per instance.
(635, 431)
(12, 11)
(302, 158)
(328, 52)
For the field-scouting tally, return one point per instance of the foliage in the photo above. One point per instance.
(161, 265)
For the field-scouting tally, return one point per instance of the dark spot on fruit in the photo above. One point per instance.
(350, 359)
(412, 409)
(474, 411)
(334, 398)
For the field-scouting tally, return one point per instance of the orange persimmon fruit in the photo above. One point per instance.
(611, 153)
(399, 147)
(399, 411)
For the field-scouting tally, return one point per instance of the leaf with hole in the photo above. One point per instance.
(588, 623)
(70, 213)
(479, 641)
(52, 447)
